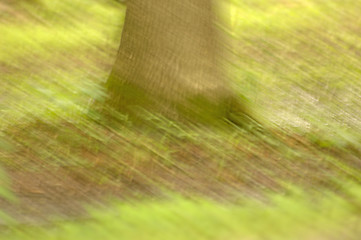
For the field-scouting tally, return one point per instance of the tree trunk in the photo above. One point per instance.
(169, 61)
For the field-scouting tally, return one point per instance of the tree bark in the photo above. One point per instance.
(169, 61)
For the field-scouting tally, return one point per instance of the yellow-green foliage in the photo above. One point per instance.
(290, 216)
(52, 60)
(298, 61)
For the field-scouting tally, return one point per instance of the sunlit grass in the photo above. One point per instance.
(32, 41)
(65, 26)
(64, 95)
(298, 61)
(290, 216)
(51, 64)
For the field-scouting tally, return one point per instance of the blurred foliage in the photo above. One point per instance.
(298, 62)
(291, 216)
(53, 60)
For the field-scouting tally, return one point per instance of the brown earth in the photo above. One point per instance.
(46, 190)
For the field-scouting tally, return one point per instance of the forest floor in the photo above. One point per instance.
(127, 165)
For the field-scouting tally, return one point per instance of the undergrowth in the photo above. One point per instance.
(291, 216)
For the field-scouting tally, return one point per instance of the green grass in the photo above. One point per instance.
(53, 64)
(299, 59)
(291, 216)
